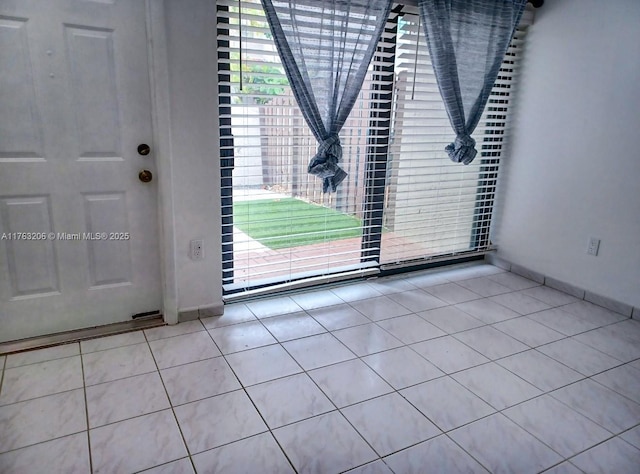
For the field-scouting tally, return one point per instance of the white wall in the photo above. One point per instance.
(192, 203)
(573, 169)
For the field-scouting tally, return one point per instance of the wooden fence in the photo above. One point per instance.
(287, 146)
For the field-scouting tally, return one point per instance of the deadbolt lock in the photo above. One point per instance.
(145, 176)
(144, 149)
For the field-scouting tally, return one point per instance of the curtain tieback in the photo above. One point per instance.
(325, 163)
(462, 150)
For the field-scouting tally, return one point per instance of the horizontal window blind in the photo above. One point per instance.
(404, 202)
(277, 224)
(435, 207)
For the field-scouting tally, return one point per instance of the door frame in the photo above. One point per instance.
(161, 130)
(182, 45)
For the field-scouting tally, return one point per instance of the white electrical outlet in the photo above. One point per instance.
(594, 245)
(196, 250)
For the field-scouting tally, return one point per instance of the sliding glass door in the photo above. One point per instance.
(434, 207)
(403, 200)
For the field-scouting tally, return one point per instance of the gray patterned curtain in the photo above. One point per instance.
(326, 47)
(467, 42)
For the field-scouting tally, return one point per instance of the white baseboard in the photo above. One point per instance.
(581, 293)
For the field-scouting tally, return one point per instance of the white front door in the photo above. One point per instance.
(78, 228)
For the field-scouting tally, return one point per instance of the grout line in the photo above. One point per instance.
(41, 396)
(573, 456)
(187, 457)
(40, 361)
(86, 410)
(394, 390)
(171, 407)
(397, 391)
(244, 389)
(305, 372)
(488, 468)
(12, 450)
(2, 372)
(494, 360)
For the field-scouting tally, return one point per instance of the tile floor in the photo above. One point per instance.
(464, 370)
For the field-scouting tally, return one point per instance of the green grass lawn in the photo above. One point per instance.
(289, 222)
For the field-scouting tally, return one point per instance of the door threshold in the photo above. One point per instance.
(67, 337)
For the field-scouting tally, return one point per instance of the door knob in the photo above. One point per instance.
(144, 149)
(145, 176)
